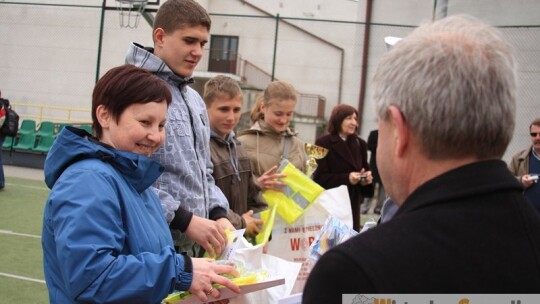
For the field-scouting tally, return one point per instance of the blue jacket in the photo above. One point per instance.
(105, 239)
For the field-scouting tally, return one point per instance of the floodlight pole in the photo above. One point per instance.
(100, 41)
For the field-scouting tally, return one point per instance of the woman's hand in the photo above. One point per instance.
(363, 177)
(366, 177)
(354, 178)
(206, 273)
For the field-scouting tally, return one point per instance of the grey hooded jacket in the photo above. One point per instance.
(186, 186)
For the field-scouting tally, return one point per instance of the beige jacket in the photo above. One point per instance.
(265, 147)
(519, 165)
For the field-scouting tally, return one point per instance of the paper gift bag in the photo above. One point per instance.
(292, 241)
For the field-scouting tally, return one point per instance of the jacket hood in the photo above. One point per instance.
(73, 145)
(143, 57)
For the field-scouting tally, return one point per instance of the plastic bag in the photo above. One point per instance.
(291, 241)
(253, 258)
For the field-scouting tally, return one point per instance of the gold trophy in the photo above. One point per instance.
(313, 152)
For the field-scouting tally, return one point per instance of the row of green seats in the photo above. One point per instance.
(28, 126)
(29, 142)
(37, 140)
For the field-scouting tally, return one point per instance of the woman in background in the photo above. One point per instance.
(105, 238)
(346, 162)
(270, 139)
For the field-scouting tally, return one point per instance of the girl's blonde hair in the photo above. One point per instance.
(276, 91)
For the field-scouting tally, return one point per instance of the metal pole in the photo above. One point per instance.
(365, 57)
(443, 12)
(434, 13)
(100, 41)
(275, 48)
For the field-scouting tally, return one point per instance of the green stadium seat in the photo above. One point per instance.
(28, 126)
(45, 128)
(7, 142)
(44, 143)
(25, 142)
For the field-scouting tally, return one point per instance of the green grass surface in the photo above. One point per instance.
(22, 203)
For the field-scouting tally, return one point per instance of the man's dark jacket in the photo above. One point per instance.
(466, 231)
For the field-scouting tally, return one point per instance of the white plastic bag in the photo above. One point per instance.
(252, 257)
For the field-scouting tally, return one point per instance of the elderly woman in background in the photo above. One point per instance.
(346, 162)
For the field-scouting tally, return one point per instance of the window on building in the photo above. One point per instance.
(223, 54)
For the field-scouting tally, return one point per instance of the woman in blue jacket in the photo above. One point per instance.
(105, 238)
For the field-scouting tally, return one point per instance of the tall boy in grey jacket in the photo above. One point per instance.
(195, 207)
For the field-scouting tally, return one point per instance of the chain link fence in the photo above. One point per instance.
(52, 53)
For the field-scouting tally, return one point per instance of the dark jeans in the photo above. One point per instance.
(2, 180)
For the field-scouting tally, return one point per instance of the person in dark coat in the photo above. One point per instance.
(372, 147)
(4, 103)
(346, 162)
(445, 97)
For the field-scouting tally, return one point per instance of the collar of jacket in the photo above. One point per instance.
(525, 153)
(460, 182)
(261, 127)
(183, 82)
(73, 145)
(335, 138)
(154, 64)
(231, 138)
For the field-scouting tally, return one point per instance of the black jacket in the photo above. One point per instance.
(466, 231)
(343, 158)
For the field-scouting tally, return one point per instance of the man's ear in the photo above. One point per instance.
(400, 130)
(103, 116)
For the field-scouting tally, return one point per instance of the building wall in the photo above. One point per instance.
(48, 54)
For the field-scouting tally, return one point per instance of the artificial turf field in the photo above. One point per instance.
(21, 270)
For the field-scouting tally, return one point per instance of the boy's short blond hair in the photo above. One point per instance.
(221, 86)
